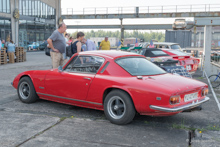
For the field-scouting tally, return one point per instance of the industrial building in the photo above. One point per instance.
(28, 21)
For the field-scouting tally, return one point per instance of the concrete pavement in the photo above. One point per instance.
(46, 123)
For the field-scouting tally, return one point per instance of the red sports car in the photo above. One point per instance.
(120, 83)
(189, 62)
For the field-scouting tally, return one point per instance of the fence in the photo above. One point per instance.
(143, 9)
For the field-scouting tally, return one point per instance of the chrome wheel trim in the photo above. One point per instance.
(24, 90)
(116, 107)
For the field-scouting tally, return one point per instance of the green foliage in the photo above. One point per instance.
(147, 36)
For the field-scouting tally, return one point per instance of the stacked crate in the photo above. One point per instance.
(24, 56)
(20, 54)
(3, 56)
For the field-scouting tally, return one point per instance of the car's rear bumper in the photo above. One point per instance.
(181, 108)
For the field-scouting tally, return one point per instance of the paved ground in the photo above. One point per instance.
(47, 123)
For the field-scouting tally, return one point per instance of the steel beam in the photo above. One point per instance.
(141, 15)
(125, 27)
(207, 21)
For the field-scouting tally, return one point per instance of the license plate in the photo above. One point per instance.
(189, 97)
(188, 67)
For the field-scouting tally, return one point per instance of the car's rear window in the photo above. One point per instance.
(159, 53)
(155, 53)
(179, 53)
(175, 46)
(138, 66)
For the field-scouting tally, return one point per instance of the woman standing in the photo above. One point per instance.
(76, 46)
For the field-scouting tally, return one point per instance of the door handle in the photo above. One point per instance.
(87, 78)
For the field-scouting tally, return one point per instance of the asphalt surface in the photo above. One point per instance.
(46, 123)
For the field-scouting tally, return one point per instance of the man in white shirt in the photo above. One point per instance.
(90, 44)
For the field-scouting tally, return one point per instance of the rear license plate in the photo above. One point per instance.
(189, 97)
(188, 67)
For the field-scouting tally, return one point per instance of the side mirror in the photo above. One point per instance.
(60, 68)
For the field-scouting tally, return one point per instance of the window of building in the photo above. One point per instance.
(35, 8)
(8, 6)
(5, 25)
(29, 8)
(4, 4)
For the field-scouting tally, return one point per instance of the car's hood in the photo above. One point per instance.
(174, 82)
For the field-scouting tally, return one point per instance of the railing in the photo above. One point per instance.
(146, 9)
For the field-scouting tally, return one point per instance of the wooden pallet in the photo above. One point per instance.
(19, 53)
(24, 56)
(3, 57)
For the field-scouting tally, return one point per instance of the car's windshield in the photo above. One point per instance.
(179, 53)
(175, 46)
(138, 66)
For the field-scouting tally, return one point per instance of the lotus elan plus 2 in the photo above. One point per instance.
(120, 83)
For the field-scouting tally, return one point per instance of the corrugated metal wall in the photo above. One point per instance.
(183, 37)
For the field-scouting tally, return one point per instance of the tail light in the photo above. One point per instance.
(174, 99)
(205, 92)
(195, 61)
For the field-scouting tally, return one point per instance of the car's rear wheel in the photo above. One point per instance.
(26, 91)
(119, 108)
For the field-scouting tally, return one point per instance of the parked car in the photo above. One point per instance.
(34, 45)
(189, 62)
(165, 45)
(179, 24)
(43, 45)
(163, 60)
(120, 83)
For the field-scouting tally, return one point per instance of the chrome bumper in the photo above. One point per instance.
(181, 108)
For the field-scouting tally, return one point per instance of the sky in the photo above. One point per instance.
(128, 5)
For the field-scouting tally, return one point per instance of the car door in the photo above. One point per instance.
(74, 81)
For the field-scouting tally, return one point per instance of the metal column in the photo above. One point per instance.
(194, 35)
(14, 23)
(122, 33)
(207, 48)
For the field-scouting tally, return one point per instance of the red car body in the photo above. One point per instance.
(150, 94)
(189, 62)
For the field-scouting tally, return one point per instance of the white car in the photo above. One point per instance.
(179, 24)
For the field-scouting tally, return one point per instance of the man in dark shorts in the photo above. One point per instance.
(57, 43)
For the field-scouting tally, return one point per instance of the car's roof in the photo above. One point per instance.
(109, 53)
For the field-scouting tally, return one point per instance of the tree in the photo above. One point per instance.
(147, 36)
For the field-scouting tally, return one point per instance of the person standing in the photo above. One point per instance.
(57, 43)
(90, 44)
(105, 44)
(3, 43)
(70, 40)
(76, 46)
(11, 46)
(67, 44)
(0, 44)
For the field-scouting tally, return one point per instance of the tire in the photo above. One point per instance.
(26, 91)
(119, 108)
(215, 80)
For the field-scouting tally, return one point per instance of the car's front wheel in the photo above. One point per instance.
(119, 108)
(26, 91)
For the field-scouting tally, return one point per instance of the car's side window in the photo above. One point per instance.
(70, 65)
(86, 64)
